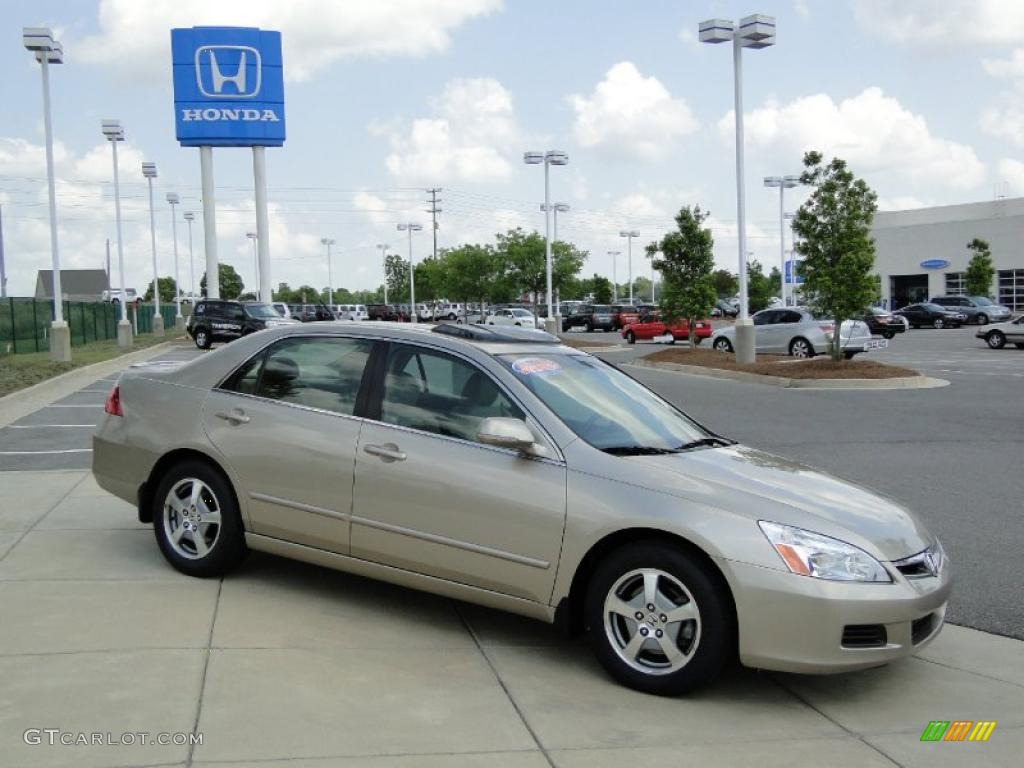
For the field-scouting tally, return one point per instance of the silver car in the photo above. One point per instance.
(997, 336)
(496, 466)
(799, 333)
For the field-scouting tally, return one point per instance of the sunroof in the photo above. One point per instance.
(509, 334)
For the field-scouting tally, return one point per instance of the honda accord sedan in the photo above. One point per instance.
(496, 466)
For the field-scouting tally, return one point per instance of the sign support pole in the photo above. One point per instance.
(259, 172)
(209, 223)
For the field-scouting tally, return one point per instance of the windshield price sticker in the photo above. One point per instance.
(536, 366)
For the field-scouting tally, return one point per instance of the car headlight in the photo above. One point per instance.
(822, 557)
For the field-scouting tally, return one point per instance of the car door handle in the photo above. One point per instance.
(388, 452)
(235, 417)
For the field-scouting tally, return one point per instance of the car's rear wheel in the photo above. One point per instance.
(659, 621)
(800, 347)
(849, 355)
(723, 345)
(590, 327)
(982, 319)
(938, 323)
(888, 334)
(202, 338)
(196, 520)
(996, 339)
(630, 337)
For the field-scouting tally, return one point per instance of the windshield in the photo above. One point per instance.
(602, 405)
(982, 301)
(520, 312)
(260, 310)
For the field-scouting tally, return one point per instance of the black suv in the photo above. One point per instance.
(220, 320)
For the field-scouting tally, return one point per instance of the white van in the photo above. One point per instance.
(351, 312)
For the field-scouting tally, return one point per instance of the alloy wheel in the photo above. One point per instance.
(800, 348)
(191, 518)
(723, 345)
(938, 323)
(996, 340)
(652, 621)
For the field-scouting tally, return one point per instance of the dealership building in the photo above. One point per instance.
(923, 253)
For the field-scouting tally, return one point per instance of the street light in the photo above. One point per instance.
(48, 51)
(783, 183)
(410, 228)
(330, 274)
(629, 234)
(179, 321)
(114, 133)
(255, 263)
(190, 217)
(384, 260)
(549, 158)
(756, 32)
(615, 279)
(149, 171)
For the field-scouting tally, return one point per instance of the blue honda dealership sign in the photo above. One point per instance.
(228, 87)
(792, 279)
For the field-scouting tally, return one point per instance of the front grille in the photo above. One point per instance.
(921, 629)
(864, 636)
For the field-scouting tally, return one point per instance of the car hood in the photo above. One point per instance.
(768, 487)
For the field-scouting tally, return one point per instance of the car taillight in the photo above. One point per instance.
(827, 327)
(113, 404)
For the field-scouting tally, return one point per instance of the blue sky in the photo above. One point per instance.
(387, 98)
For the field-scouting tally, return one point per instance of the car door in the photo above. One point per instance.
(285, 424)
(785, 328)
(1015, 331)
(431, 499)
(764, 329)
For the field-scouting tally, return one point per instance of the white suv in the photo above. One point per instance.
(113, 295)
(352, 312)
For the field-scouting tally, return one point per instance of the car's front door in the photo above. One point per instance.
(1015, 331)
(763, 321)
(431, 499)
(285, 424)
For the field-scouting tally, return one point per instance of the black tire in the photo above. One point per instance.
(888, 334)
(590, 327)
(201, 336)
(849, 355)
(451, 316)
(708, 641)
(996, 339)
(938, 323)
(228, 547)
(722, 344)
(801, 348)
(630, 337)
(981, 319)
(1019, 345)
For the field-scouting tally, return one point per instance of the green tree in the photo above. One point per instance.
(601, 287)
(685, 264)
(726, 283)
(566, 263)
(525, 263)
(167, 287)
(231, 285)
(396, 273)
(833, 234)
(473, 273)
(760, 289)
(980, 269)
(430, 279)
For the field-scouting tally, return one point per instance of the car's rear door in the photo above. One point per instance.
(764, 329)
(286, 424)
(431, 499)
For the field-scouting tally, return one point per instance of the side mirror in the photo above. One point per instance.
(506, 433)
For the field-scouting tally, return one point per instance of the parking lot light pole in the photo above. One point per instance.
(629, 234)
(410, 227)
(190, 217)
(615, 279)
(384, 260)
(549, 158)
(179, 321)
(48, 51)
(149, 171)
(757, 31)
(783, 183)
(255, 264)
(330, 274)
(114, 133)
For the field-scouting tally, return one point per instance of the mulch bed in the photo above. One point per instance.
(776, 365)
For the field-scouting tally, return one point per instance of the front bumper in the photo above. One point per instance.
(793, 623)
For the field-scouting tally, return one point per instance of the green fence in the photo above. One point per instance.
(25, 323)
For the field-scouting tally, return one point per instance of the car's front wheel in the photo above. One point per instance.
(202, 338)
(659, 622)
(996, 339)
(196, 520)
(938, 323)
(888, 334)
(723, 345)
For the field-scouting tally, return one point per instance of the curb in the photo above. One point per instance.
(905, 382)
(23, 402)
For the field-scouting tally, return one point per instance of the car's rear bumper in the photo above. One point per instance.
(118, 469)
(794, 623)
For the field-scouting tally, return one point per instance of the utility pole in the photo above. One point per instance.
(433, 210)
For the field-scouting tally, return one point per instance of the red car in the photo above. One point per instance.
(652, 328)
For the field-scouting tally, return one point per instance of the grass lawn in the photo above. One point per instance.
(20, 371)
(787, 367)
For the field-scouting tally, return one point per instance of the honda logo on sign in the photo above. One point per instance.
(228, 71)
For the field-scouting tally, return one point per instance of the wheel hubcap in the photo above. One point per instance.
(192, 518)
(652, 621)
(800, 349)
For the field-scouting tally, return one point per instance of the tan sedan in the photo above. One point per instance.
(495, 465)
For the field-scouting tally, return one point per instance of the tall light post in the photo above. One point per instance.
(615, 277)
(629, 234)
(556, 209)
(253, 237)
(755, 31)
(189, 218)
(114, 133)
(384, 261)
(410, 227)
(330, 273)
(179, 321)
(783, 183)
(48, 51)
(149, 171)
(549, 158)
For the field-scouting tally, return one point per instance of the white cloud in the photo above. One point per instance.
(134, 34)
(872, 131)
(802, 8)
(950, 22)
(631, 114)
(901, 203)
(1011, 67)
(1004, 122)
(472, 137)
(1012, 173)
